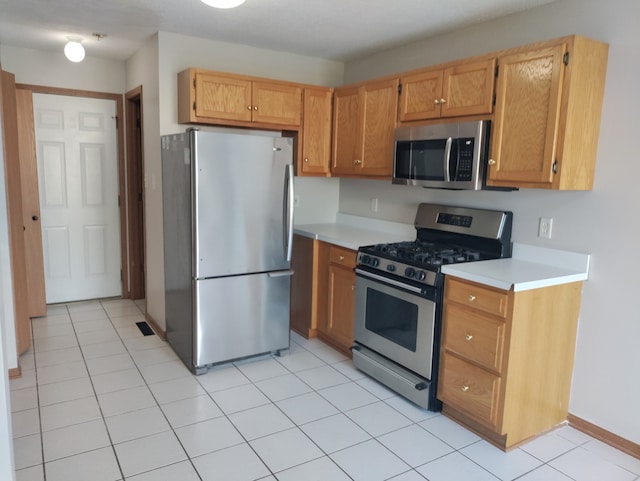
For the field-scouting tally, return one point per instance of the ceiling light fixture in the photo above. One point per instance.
(74, 50)
(223, 3)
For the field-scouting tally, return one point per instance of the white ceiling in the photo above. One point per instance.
(332, 29)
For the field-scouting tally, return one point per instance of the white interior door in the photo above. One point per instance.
(77, 156)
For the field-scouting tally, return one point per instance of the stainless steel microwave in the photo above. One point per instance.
(446, 156)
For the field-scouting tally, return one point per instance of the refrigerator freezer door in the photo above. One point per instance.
(240, 203)
(240, 316)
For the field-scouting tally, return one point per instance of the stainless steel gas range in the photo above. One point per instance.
(399, 291)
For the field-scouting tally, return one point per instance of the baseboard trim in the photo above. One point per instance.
(154, 325)
(618, 442)
(15, 373)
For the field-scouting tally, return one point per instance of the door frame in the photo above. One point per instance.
(135, 192)
(117, 98)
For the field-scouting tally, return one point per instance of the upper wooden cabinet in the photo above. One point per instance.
(547, 115)
(364, 122)
(316, 132)
(465, 88)
(219, 98)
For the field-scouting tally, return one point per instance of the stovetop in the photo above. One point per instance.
(445, 235)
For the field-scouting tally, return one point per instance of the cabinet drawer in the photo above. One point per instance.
(478, 297)
(342, 256)
(474, 336)
(470, 389)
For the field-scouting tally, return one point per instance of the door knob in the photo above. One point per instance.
(35, 217)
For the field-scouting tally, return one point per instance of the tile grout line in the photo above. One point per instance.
(158, 405)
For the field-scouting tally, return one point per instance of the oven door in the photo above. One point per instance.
(395, 320)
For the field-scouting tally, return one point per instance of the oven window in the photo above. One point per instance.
(392, 318)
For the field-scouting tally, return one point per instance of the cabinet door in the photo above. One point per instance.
(380, 107)
(274, 103)
(526, 117)
(342, 283)
(316, 133)
(222, 97)
(467, 89)
(347, 135)
(420, 96)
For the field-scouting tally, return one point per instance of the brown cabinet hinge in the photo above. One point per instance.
(194, 82)
(554, 166)
(565, 58)
(399, 89)
(194, 105)
(497, 69)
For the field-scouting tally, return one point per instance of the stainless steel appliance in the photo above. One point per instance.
(447, 156)
(228, 231)
(399, 291)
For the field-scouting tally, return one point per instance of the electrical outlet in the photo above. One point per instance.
(374, 204)
(545, 226)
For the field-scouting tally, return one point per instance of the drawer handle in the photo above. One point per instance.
(464, 388)
(341, 258)
(353, 287)
(468, 337)
(472, 298)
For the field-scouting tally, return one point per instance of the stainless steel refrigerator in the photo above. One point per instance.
(228, 231)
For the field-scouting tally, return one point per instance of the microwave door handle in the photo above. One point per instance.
(447, 159)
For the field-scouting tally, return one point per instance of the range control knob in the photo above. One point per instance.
(409, 272)
(391, 267)
(421, 275)
(374, 262)
(365, 259)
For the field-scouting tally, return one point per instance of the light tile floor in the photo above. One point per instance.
(98, 401)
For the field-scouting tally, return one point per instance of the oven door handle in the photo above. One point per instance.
(386, 280)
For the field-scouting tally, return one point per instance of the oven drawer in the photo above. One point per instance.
(478, 297)
(474, 336)
(341, 256)
(470, 389)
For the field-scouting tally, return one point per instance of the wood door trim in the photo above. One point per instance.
(117, 98)
(135, 176)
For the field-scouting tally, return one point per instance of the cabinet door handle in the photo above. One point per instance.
(491, 162)
(353, 287)
(249, 107)
(472, 298)
(255, 107)
(436, 101)
(306, 160)
(357, 161)
(443, 101)
(468, 337)
(341, 258)
(464, 388)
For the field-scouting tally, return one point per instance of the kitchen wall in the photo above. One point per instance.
(603, 222)
(156, 67)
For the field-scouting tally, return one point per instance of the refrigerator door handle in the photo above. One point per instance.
(280, 274)
(288, 211)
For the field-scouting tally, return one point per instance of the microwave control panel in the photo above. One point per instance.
(465, 159)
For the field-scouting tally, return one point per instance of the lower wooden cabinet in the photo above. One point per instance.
(323, 291)
(303, 286)
(336, 295)
(507, 358)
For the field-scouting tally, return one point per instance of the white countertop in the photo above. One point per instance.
(352, 232)
(531, 267)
